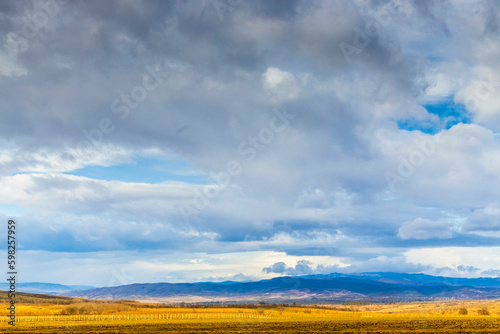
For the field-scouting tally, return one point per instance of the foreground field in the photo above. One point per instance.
(43, 314)
(373, 325)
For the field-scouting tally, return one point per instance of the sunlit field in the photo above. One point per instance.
(43, 314)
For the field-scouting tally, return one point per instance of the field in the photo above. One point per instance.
(44, 314)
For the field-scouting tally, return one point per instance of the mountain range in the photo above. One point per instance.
(331, 288)
(44, 288)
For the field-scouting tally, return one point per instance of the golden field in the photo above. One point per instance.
(46, 314)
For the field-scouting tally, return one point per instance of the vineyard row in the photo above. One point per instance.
(166, 316)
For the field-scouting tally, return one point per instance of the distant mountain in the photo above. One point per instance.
(412, 279)
(331, 288)
(45, 288)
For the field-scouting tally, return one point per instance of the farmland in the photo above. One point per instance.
(49, 314)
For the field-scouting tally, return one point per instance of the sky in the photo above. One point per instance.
(187, 141)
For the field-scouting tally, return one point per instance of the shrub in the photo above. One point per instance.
(463, 311)
(71, 310)
(483, 311)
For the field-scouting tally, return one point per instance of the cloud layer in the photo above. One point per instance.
(323, 135)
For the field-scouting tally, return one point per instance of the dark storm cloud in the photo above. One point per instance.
(101, 49)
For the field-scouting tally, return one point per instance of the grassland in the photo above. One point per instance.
(46, 314)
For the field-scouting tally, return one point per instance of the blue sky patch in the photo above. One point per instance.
(11, 210)
(448, 112)
(145, 170)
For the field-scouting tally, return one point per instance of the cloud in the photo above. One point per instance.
(484, 222)
(281, 84)
(387, 263)
(456, 261)
(124, 82)
(278, 268)
(302, 267)
(425, 229)
(486, 219)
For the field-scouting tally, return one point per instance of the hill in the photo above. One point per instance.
(334, 288)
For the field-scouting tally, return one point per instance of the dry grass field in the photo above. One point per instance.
(43, 314)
